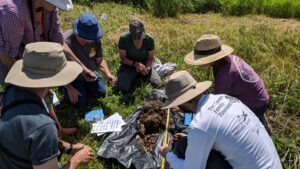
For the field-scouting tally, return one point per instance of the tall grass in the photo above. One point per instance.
(270, 46)
(171, 8)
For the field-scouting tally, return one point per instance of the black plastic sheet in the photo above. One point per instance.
(125, 146)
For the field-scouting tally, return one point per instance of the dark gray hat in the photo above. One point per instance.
(136, 28)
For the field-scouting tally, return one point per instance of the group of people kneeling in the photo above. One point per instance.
(230, 127)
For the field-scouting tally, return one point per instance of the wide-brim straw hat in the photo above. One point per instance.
(43, 65)
(207, 50)
(182, 87)
(65, 5)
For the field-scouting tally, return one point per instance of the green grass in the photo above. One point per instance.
(171, 8)
(270, 46)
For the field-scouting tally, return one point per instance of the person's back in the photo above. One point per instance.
(236, 78)
(233, 129)
(27, 131)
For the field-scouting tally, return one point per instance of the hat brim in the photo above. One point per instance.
(65, 5)
(188, 95)
(18, 77)
(194, 59)
(85, 35)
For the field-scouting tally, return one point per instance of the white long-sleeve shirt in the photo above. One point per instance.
(225, 124)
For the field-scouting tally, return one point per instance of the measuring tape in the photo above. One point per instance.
(166, 138)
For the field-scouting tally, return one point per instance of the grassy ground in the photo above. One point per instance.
(270, 46)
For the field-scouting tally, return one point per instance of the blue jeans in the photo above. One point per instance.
(95, 89)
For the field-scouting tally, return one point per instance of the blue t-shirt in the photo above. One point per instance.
(27, 131)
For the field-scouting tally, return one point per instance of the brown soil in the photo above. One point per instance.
(152, 123)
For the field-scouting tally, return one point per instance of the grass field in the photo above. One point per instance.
(270, 46)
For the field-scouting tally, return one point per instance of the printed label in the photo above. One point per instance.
(245, 71)
(222, 105)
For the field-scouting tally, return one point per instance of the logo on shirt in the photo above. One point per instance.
(242, 117)
(222, 105)
(92, 52)
(246, 73)
(242, 122)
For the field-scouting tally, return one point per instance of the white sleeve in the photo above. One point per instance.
(197, 152)
(175, 163)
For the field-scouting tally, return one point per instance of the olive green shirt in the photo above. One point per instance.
(132, 53)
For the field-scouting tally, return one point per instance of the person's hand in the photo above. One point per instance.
(177, 137)
(145, 71)
(111, 79)
(139, 67)
(73, 94)
(89, 75)
(8, 61)
(82, 156)
(163, 150)
(176, 109)
(77, 147)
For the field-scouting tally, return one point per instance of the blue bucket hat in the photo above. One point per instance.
(88, 27)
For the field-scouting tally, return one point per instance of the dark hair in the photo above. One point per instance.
(136, 28)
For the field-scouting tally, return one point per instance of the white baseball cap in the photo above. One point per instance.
(65, 5)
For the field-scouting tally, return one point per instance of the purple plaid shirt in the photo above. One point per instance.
(16, 28)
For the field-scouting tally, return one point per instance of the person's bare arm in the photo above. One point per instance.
(51, 164)
(7, 61)
(88, 74)
(82, 156)
(124, 58)
(103, 66)
(138, 66)
(150, 59)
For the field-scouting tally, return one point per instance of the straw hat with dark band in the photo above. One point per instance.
(182, 87)
(43, 65)
(207, 50)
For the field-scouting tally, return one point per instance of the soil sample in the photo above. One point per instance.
(152, 123)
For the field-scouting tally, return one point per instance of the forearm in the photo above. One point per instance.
(72, 164)
(7, 60)
(150, 59)
(127, 61)
(149, 62)
(103, 66)
(71, 56)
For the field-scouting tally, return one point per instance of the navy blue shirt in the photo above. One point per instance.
(27, 131)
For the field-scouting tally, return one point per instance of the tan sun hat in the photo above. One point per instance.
(65, 5)
(207, 50)
(44, 64)
(182, 87)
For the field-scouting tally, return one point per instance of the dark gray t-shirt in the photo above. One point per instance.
(86, 54)
(27, 131)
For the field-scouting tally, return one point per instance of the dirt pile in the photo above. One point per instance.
(151, 123)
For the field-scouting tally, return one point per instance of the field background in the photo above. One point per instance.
(271, 46)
